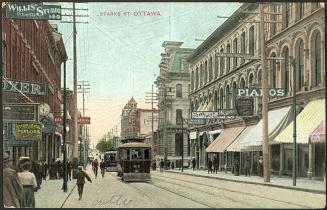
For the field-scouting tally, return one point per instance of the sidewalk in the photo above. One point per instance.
(51, 195)
(302, 184)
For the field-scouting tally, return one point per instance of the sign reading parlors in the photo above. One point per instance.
(30, 10)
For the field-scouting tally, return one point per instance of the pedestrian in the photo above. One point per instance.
(41, 169)
(215, 164)
(102, 168)
(193, 163)
(161, 165)
(29, 183)
(247, 165)
(95, 166)
(60, 169)
(209, 166)
(69, 169)
(35, 169)
(45, 173)
(236, 167)
(53, 170)
(81, 175)
(154, 165)
(12, 187)
(173, 165)
(260, 166)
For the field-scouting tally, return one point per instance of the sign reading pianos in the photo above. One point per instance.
(30, 10)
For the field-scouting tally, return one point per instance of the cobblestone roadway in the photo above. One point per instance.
(176, 190)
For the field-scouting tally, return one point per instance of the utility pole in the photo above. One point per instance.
(74, 124)
(265, 143)
(152, 98)
(84, 87)
(292, 62)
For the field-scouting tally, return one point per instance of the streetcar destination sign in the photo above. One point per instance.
(219, 114)
(30, 10)
(26, 87)
(256, 92)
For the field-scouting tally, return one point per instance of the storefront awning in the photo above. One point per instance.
(236, 146)
(311, 115)
(226, 137)
(318, 134)
(277, 120)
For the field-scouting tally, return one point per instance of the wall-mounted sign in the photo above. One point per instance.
(219, 114)
(256, 92)
(84, 120)
(30, 10)
(29, 131)
(20, 112)
(244, 106)
(49, 125)
(192, 122)
(26, 87)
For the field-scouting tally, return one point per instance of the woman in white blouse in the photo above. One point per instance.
(29, 183)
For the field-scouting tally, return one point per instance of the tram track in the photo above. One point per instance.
(224, 189)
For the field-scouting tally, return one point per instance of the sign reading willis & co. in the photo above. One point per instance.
(30, 10)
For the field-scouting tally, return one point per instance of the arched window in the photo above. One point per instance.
(316, 59)
(221, 99)
(192, 81)
(235, 50)
(259, 78)
(234, 93)
(251, 81)
(299, 62)
(210, 68)
(251, 40)
(285, 69)
(221, 63)
(215, 101)
(242, 46)
(273, 72)
(228, 97)
(201, 75)
(205, 72)
(228, 58)
(273, 17)
(216, 66)
(197, 78)
(242, 83)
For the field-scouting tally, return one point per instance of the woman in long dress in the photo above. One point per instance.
(29, 183)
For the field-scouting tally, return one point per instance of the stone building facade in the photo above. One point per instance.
(128, 119)
(173, 85)
(299, 33)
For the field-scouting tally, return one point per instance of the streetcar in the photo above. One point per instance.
(109, 158)
(134, 160)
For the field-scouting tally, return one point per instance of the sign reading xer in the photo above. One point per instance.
(26, 87)
(256, 92)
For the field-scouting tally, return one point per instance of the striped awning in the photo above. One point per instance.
(227, 136)
(278, 119)
(306, 121)
(236, 146)
(318, 134)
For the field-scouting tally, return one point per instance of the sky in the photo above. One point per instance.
(120, 55)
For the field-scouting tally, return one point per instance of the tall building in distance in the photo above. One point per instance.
(128, 119)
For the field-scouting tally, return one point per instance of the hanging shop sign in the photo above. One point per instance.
(256, 92)
(84, 120)
(26, 87)
(244, 106)
(49, 125)
(30, 10)
(29, 131)
(219, 114)
(20, 112)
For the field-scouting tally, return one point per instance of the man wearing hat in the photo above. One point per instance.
(12, 187)
(81, 175)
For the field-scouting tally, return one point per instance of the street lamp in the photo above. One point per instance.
(64, 187)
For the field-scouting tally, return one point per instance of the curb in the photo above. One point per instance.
(68, 196)
(256, 183)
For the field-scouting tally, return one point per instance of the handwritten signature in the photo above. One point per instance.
(114, 200)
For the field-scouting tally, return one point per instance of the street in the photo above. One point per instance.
(168, 190)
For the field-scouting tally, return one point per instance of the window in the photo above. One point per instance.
(215, 101)
(242, 83)
(273, 25)
(222, 64)
(316, 60)
(210, 69)
(178, 144)
(234, 94)
(197, 78)
(228, 58)
(285, 73)
(228, 93)
(221, 99)
(251, 40)
(315, 6)
(286, 15)
(179, 90)
(4, 54)
(179, 116)
(201, 74)
(235, 51)
(251, 81)
(205, 72)
(192, 80)
(259, 78)
(273, 72)
(216, 66)
(299, 11)
(299, 62)
(242, 46)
